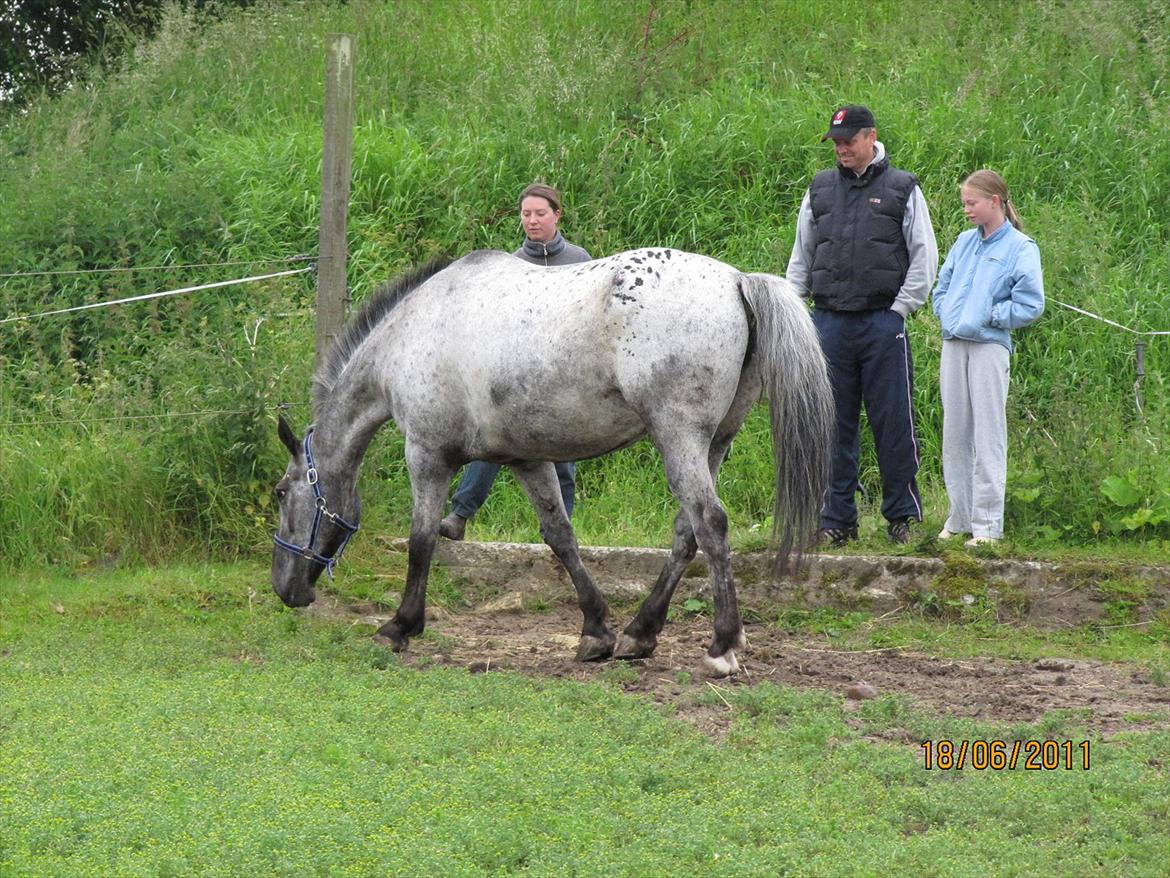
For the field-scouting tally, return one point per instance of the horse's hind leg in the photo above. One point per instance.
(539, 481)
(640, 637)
(430, 477)
(690, 481)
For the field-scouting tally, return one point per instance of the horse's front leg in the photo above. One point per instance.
(430, 477)
(539, 481)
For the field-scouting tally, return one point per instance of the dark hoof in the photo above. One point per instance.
(595, 649)
(632, 648)
(391, 635)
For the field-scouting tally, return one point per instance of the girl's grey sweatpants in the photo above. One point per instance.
(973, 379)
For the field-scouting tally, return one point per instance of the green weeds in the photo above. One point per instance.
(679, 124)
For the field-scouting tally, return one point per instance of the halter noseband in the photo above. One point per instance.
(308, 550)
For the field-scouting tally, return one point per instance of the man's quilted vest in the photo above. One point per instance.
(861, 258)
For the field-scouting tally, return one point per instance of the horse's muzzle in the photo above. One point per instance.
(293, 582)
(299, 598)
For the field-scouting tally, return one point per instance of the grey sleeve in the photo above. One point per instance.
(800, 262)
(920, 242)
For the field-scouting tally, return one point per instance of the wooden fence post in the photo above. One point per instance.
(336, 159)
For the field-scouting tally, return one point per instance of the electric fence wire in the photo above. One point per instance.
(1111, 322)
(160, 415)
(159, 295)
(1139, 348)
(303, 257)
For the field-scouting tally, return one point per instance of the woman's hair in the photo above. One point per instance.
(990, 183)
(541, 190)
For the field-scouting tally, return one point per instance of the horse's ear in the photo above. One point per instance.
(287, 436)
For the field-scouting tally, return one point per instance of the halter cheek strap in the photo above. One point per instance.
(309, 549)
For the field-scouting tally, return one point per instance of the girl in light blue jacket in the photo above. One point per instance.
(990, 284)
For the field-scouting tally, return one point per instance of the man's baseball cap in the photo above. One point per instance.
(848, 120)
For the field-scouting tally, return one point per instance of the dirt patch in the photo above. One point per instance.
(1105, 698)
(1044, 595)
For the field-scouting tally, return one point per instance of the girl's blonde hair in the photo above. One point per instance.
(989, 183)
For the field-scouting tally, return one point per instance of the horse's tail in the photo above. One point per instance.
(800, 397)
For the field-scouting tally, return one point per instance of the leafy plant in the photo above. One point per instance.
(1144, 508)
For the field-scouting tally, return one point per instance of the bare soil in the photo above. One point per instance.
(1104, 698)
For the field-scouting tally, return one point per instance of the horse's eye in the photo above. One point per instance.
(279, 491)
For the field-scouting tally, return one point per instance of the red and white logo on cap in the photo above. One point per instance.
(839, 117)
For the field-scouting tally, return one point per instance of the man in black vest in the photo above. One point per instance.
(866, 254)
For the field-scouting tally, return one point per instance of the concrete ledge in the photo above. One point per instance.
(1036, 592)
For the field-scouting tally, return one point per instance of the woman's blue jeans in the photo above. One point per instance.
(477, 483)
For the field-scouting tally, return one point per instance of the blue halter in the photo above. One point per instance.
(308, 550)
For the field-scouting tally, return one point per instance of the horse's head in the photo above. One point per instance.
(319, 511)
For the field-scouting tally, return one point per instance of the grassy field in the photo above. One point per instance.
(178, 721)
(145, 431)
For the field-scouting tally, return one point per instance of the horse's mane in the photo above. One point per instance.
(374, 309)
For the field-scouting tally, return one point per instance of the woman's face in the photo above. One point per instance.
(981, 210)
(538, 218)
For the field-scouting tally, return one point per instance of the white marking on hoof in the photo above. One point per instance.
(721, 666)
(733, 661)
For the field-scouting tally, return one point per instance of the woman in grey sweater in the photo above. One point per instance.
(540, 212)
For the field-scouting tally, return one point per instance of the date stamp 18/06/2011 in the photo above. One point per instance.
(983, 755)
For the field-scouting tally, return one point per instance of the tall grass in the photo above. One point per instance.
(687, 124)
